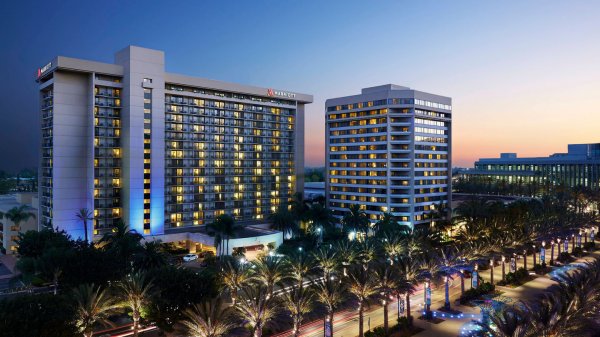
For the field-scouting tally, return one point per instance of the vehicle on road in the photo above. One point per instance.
(190, 257)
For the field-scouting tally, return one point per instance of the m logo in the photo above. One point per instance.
(270, 92)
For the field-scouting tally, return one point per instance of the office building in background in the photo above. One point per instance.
(165, 153)
(389, 150)
(510, 174)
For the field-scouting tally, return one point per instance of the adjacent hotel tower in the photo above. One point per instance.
(389, 150)
(161, 151)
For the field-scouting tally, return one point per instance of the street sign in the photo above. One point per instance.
(475, 279)
(428, 295)
(328, 330)
(566, 244)
(513, 265)
(543, 255)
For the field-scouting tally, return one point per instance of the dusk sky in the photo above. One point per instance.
(524, 76)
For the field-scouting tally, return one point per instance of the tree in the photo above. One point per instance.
(224, 228)
(136, 291)
(298, 301)
(331, 294)
(210, 318)
(37, 315)
(93, 306)
(269, 271)
(283, 220)
(33, 243)
(257, 307)
(301, 265)
(362, 285)
(327, 260)
(85, 215)
(151, 255)
(19, 215)
(388, 224)
(410, 268)
(386, 277)
(122, 241)
(356, 220)
(234, 275)
(450, 263)
(509, 322)
(320, 217)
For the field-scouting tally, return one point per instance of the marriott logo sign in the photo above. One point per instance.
(279, 93)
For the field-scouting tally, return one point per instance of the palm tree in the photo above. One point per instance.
(410, 268)
(93, 305)
(299, 209)
(320, 217)
(85, 215)
(356, 219)
(208, 319)
(136, 292)
(269, 271)
(298, 301)
(19, 215)
(450, 263)
(283, 220)
(386, 277)
(224, 226)
(392, 247)
(327, 260)
(150, 256)
(347, 252)
(508, 322)
(257, 307)
(234, 275)
(388, 224)
(301, 265)
(122, 241)
(330, 294)
(362, 285)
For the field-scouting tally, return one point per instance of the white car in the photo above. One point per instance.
(190, 257)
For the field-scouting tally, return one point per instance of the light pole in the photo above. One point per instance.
(462, 281)
(534, 257)
(552, 252)
(503, 268)
(492, 270)
(525, 259)
(585, 235)
(558, 244)
(572, 243)
(543, 254)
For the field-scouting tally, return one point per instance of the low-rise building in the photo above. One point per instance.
(9, 231)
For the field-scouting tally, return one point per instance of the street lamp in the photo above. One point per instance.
(492, 270)
(558, 244)
(543, 254)
(534, 257)
(572, 243)
(503, 268)
(552, 252)
(525, 259)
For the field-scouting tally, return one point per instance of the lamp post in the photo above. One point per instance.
(585, 235)
(534, 257)
(503, 268)
(552, 252)
(525, 259)
(492, 270)
(462, 281)
(543, 254)
(572, 243)
(558, 244)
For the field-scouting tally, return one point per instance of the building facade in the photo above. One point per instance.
(389, 150)
(9, 231)
(579, 167)
(162, 151)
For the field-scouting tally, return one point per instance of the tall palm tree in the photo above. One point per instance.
(299, 209)
(224, 226)
(386, 277)
(392, 247)
(320, 217)
(93, 305)
(122, 241)
(388, 224)
(269, 271)
(298, 301)
(211, 318)
(283, 220)
(450, 263)
(234, 275)
(327, 260)
(257, 307)
(347, 252)
(136, 291)
(363, 286)
(301, 265)
(19, 214)
(151, 255)
(410, 268)
(85, 215)
(331, 294)
(355, 219)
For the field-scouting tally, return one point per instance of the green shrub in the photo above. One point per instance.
(577, 251)
(589, 246)
(473, 293)
(377, 332)
(564, 257)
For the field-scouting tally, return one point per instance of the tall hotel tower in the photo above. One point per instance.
(389, 150)
(160, 151)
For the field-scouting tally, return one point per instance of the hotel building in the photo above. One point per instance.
(165, 153)
(579, 167)
(389, 150)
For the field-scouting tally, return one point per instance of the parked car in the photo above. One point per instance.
(190, 257)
